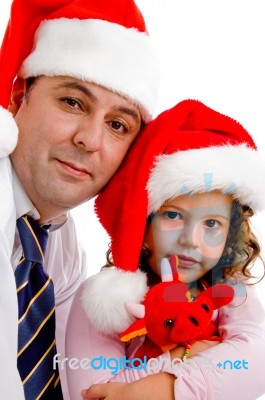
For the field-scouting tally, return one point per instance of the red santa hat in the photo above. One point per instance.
(187, 149)
(98, 41)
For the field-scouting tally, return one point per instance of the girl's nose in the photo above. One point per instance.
(188, 237)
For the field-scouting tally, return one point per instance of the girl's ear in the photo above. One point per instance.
(17, 95)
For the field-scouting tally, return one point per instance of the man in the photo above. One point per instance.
(83, 80)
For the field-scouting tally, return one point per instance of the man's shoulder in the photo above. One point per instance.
(7, 209)
(63, 244)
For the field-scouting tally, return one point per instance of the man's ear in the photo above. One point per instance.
(18, 91)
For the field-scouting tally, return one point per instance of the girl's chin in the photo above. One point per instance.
(187, 276)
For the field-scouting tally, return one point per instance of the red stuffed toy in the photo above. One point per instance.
(169, 317)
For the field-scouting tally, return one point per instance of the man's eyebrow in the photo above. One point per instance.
(93, 98)
(129, 111)
(80, 87)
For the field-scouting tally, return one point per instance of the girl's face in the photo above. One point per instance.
(193, 227)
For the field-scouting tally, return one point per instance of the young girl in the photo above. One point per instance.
(187, 188)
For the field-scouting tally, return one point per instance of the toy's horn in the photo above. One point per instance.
(168, 269)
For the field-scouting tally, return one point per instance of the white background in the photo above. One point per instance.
(211, 50)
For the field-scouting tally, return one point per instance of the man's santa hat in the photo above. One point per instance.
(104, 42)
(187, 149)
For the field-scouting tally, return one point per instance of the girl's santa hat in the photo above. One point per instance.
(104, 42)
(187, 149)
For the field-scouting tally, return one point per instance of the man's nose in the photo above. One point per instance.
(89, 134)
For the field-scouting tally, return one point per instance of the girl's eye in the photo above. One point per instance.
(172, 215)
(118, 126)
(212, 223)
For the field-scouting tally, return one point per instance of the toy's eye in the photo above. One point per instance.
(194, 321)
(205, 307)
(169, 323)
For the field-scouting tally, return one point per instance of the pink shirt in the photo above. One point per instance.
(239, 357)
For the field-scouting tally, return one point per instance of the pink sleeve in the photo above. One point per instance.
(88, 352)
(92, 357)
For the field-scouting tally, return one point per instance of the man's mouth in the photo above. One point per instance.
(73, 169)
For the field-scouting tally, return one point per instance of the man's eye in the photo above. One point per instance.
(212, 223)
(71, 102)
(118, 126)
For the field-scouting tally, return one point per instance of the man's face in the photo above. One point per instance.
(73, 136)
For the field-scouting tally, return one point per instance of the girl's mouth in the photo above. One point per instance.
(185, 261)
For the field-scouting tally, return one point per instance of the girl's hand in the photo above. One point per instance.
(155, 387)
(108, 391)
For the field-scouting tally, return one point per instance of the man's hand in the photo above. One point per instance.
(154, 387)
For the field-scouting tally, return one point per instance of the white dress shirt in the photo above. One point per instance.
(65, 262)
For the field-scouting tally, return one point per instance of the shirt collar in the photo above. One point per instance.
(22, 202)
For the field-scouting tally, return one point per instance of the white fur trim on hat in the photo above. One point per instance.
(104, 296)
(237, 170)
(108, 54)
(8, 132)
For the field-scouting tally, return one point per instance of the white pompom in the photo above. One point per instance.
(8, 132)
(105, 294)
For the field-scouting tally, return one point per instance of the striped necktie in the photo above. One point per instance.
(36, 324)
